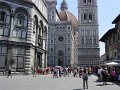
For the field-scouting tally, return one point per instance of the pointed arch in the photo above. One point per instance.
(21, 17)
(8, 7)
(14, 33)
(41, 25)
(6, 32)
(35, 24)
(89, 1)
(85, 16)
(5, 12)
(2, 16)
(19, 34)
(60, 53)
(24, 34)
(90, 16)
(84, 1)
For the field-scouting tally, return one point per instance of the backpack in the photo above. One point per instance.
(104, 73)
(85, 76)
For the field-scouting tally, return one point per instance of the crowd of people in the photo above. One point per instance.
(106, 74)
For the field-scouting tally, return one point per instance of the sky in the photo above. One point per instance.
(108, 10)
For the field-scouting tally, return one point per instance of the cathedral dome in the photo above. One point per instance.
(65, 15)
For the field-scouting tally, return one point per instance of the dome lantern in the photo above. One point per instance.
(64, 5)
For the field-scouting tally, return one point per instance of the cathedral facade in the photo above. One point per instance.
(61, 36)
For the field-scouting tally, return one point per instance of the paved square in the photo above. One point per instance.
(47, 82)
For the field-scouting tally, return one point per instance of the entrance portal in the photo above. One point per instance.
(60, 62)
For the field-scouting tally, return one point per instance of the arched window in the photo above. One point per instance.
(90, 16)
(6, 32)
(42, 26)
(35, 25)
(51, 50)
(84, 1)
(20, 20)
(85, 16)
(19, 34)
(60, 53)
(2, 16)
(89, 1)
(1, 30)
(24, 34)
(14, 33)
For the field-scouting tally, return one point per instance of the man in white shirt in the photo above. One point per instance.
(99, 74)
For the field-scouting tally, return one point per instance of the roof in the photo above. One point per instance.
(116, 19)
(107, 34)
(67, 16)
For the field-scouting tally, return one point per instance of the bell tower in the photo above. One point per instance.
(88, 33)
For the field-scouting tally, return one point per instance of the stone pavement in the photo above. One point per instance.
(47, 82)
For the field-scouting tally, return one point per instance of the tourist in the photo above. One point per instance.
(85, 78)
(9, 72)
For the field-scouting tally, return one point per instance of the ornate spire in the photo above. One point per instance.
(64, 5)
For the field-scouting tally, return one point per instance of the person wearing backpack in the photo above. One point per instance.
(105, 76)
(85, 78)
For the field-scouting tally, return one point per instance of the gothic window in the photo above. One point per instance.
(51, 36)
(60, 53)
(68, 27)
(2, 16)
(94, 41)
(20, 20)
(19, 34)
(68, 40)
(60, 38)
(84, 1)
(89, 1)
(82, 41)
(82, 32)
(14, 33)
(24, 34)
(40, 30)
(1, 30)
(90, 32)
(90, 41)
(90, 16)
(94, 32)
(68, 49)
(51, 50)
(51, 41)
(6, 32)
(52, 16)
(52, 12)
(85, 16)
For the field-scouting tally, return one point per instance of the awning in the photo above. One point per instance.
(112, 64)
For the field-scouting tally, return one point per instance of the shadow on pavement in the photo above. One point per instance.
(117, 83)
(102, 84)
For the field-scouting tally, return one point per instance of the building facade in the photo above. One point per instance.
(88, 33)
(112, 42)
(61, 35)
(23, 34)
